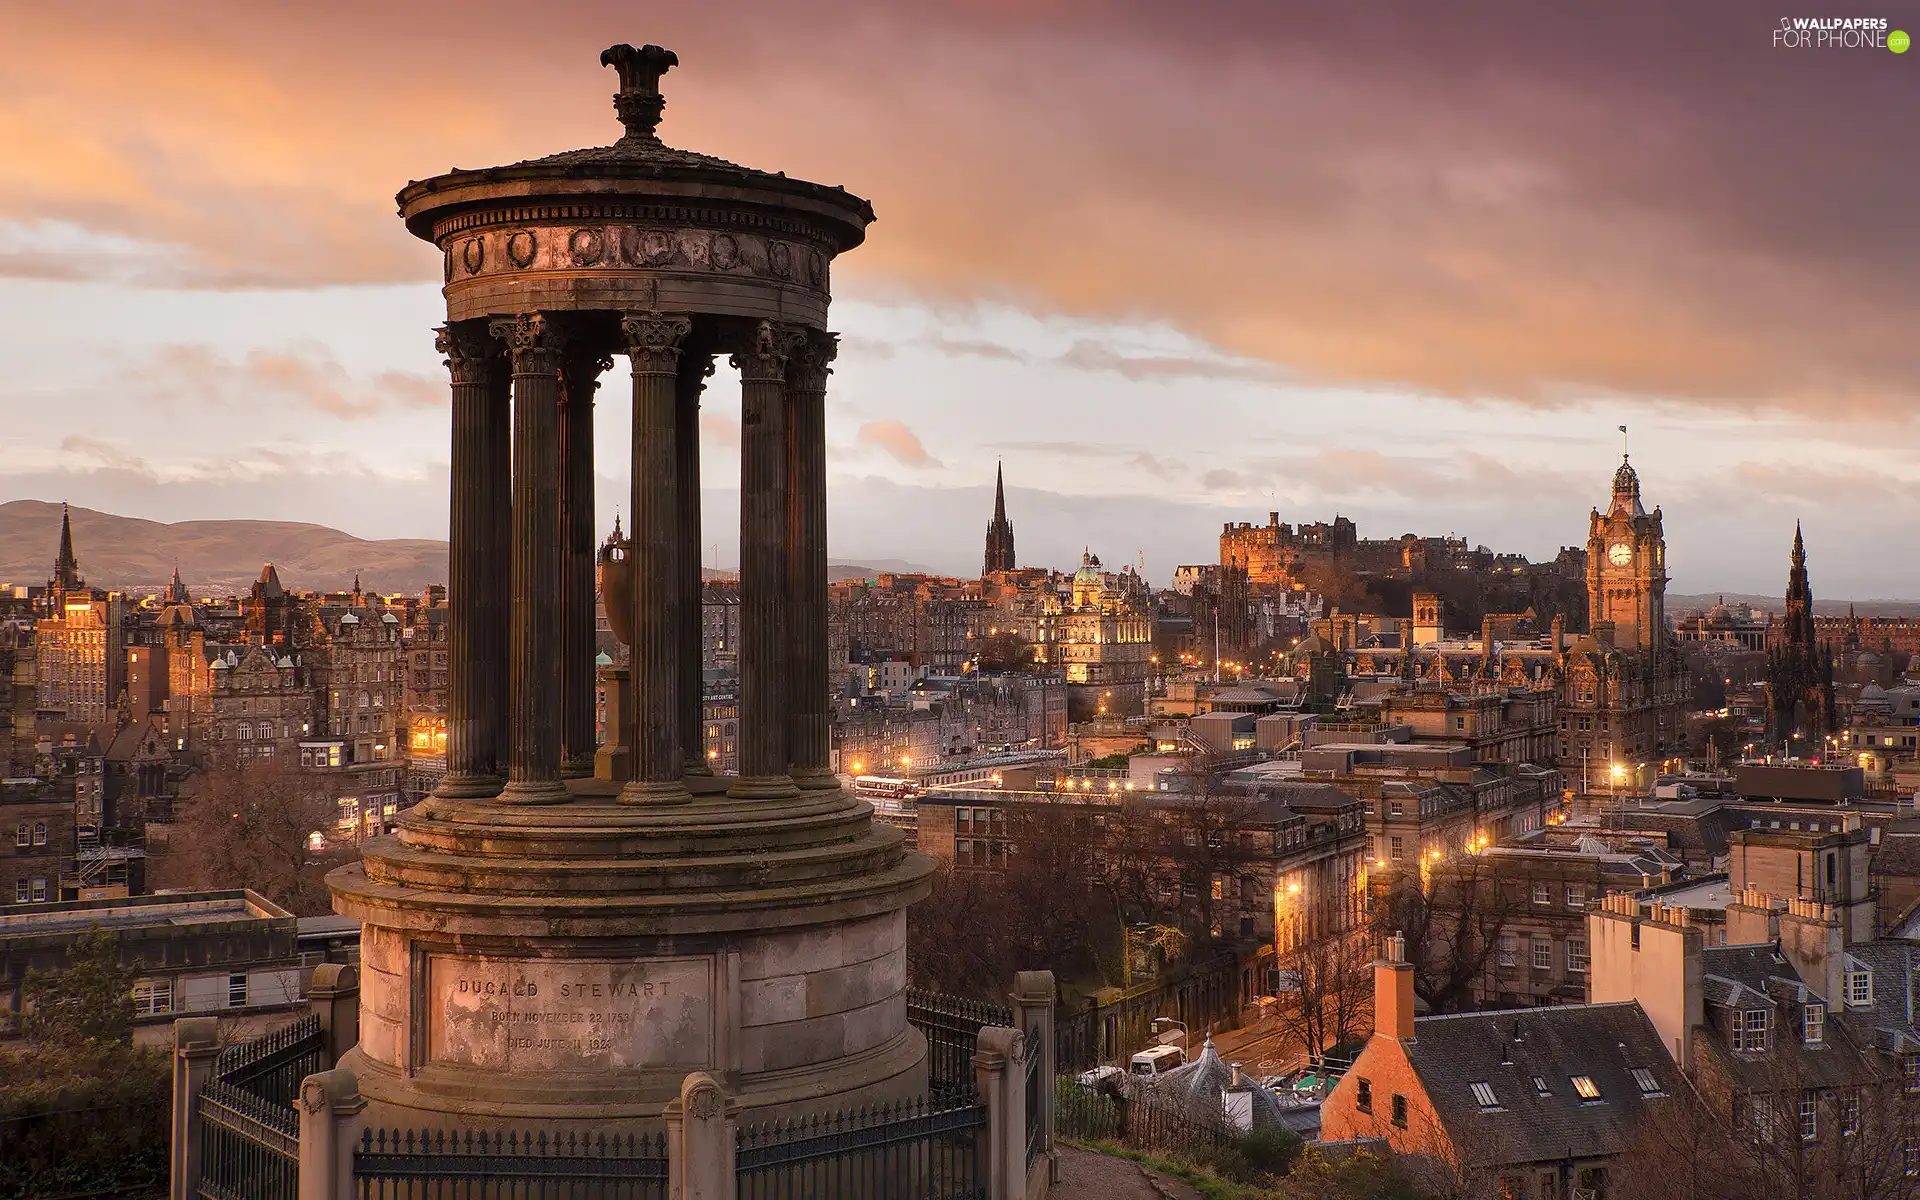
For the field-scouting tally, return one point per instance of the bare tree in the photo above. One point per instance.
(1452, 915)
(1332, 997)
(1780, 1141)
(1203, 842)
(268, 827)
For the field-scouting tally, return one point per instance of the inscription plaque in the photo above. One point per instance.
(570, 1014)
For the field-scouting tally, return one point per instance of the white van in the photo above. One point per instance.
(1157, 1061)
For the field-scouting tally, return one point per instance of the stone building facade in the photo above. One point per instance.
(79, 643)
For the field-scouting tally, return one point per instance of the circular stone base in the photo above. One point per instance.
(571, 964)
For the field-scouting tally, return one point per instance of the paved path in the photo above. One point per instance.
(1085, 1175)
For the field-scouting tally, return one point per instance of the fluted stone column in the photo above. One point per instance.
(475, 598)
(653, 562)
(580, 376)
(533, 751)
(763, 561)
(808, 719)
(696, 365)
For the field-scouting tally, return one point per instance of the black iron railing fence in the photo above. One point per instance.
(1037, 1085)
(1082, 1114)
(927, 1148)
(951, 1025)
(422, 1164)
(272, 1066)
(249, 1147)
(249, 1131)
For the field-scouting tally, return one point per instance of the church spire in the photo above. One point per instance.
(177, 588)
(999, 530)
(66, 568)
(1799, 547)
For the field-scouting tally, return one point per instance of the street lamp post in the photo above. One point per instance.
(1160, 1025)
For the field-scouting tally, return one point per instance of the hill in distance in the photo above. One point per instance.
(217, 557)
(214, 556)
(1678, 603)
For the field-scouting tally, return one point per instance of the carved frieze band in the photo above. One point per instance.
(534, 342)
(470, 352)
(774, 342)
(653, 341)
(618, 247)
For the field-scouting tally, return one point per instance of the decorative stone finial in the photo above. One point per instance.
(639, 102)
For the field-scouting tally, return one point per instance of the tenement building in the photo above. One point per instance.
(79, 642)
(542, 946)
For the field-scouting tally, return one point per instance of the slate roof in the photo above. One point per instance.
(1889, 1022)
(1506, 1049)
(1747, 977)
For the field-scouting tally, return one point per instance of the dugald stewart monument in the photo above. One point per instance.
(559, 936)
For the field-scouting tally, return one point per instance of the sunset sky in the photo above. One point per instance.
(1174, 264)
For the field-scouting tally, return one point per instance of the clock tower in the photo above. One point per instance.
(1627, 568)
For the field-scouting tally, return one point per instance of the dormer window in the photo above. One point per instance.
(1859, 986)
(1540, 1086)
(1750, 1028)
(1813, 1022)
(1585, 1088)
(1483, 1095)
(1645, 1081)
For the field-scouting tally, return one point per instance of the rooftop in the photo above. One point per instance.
(181, 910)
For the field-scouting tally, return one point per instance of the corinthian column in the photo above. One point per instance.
(533, 683)
(763, 561)
(695, 366)
(653, 562)
(808, 719)
(580, 376)
(476, 595)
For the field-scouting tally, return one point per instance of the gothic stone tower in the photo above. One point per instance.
(999, 531)
(1799, 669)
(1627, 568)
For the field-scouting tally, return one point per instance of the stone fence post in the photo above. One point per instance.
(998, 1055)
(700, 1135)
(330, 1107)
(1033, 994)
(334, 997)
(196, 1044)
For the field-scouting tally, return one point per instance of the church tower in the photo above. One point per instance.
(999, 530)
(1627, 569)
(1799, 669)
(66, 568)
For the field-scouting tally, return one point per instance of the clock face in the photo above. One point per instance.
(1620, 554)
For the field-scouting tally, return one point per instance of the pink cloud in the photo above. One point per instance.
(895, 439)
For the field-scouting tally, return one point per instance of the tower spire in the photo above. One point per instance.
(66, 568)
(999, 530)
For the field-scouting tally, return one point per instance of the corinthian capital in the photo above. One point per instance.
(534, 342)
(653, 340)
(470, 352)
(580, 375)
(773, 343)
(813, 361)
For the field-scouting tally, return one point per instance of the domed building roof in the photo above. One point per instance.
(1873, 697)
(1626, 490)
(1089, 571)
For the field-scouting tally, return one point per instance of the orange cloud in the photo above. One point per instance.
(1613, 199)
(895, 439)
(310, 377)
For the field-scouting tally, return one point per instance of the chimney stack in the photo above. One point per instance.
(1393, 992)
